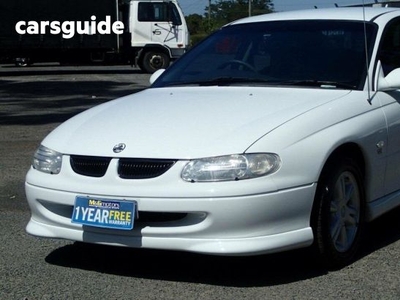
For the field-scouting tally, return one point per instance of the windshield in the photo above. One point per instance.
(320, 53)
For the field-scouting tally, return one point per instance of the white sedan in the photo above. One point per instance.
(277, 132)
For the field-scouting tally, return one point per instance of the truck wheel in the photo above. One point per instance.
(339, 213)
(22, 62)
(153, 61)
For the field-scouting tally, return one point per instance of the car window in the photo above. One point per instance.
(278, 52)
(390, 48)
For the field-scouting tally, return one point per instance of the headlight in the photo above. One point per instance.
(47, 160)
(231, 167)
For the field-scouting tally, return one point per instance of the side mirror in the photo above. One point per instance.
(155, 75)
(390, 82)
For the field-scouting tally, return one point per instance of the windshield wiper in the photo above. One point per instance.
(219, 81)
(223, 81)
(318, 83)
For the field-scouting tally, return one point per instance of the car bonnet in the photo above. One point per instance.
(185, 122)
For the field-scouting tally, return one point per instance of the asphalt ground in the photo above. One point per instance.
(34, 101)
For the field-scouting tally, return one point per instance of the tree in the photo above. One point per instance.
(223, 12)
(195, 23)
(227, 11)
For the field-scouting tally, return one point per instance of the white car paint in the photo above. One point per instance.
(226, 114)
(303, 125)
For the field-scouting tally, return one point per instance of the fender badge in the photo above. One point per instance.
(119, 148)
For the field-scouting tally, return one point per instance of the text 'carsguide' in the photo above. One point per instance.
(70, 28)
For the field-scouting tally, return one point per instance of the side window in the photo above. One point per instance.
(158, 12)
(390, 48)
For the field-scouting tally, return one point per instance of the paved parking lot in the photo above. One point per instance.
(35, 100)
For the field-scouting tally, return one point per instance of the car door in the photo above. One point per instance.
(389, 55)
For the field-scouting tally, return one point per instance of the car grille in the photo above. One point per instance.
(128, 168)
(142, 168)
(158, 217)
(90, 165)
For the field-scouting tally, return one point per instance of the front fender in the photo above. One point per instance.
(305, 143)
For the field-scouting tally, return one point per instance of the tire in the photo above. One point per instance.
(23, 62)
(153, 61)
(338, 217)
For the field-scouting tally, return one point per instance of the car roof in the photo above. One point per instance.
(347, 13)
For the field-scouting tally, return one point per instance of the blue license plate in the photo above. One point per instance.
(104, 213)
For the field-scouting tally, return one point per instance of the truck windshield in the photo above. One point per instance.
(320, 53)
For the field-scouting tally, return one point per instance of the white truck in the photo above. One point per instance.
(149, 33)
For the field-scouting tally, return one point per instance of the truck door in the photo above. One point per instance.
(163, 23)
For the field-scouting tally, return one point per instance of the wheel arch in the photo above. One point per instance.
(350, 151)
(351, 155)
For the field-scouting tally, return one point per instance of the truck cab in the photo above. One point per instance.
(154, 32)
(158, 31)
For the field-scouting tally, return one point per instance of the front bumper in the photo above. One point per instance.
(242, 225)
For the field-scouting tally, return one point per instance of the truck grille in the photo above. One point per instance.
(128, 168)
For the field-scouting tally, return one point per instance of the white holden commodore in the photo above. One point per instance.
(276, 132)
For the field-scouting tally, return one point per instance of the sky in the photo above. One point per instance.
(198, 6)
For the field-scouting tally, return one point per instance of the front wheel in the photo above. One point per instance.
(153, 61)
(339, 213)
(22, 62)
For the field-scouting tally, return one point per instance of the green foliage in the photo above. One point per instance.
(231, 10)
(195, 23)
(196, 38)
(223, 12)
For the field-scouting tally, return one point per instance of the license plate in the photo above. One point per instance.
(104, 213)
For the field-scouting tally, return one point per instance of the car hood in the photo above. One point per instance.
(185, 122)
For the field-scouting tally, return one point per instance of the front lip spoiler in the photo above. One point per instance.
(296, 239)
